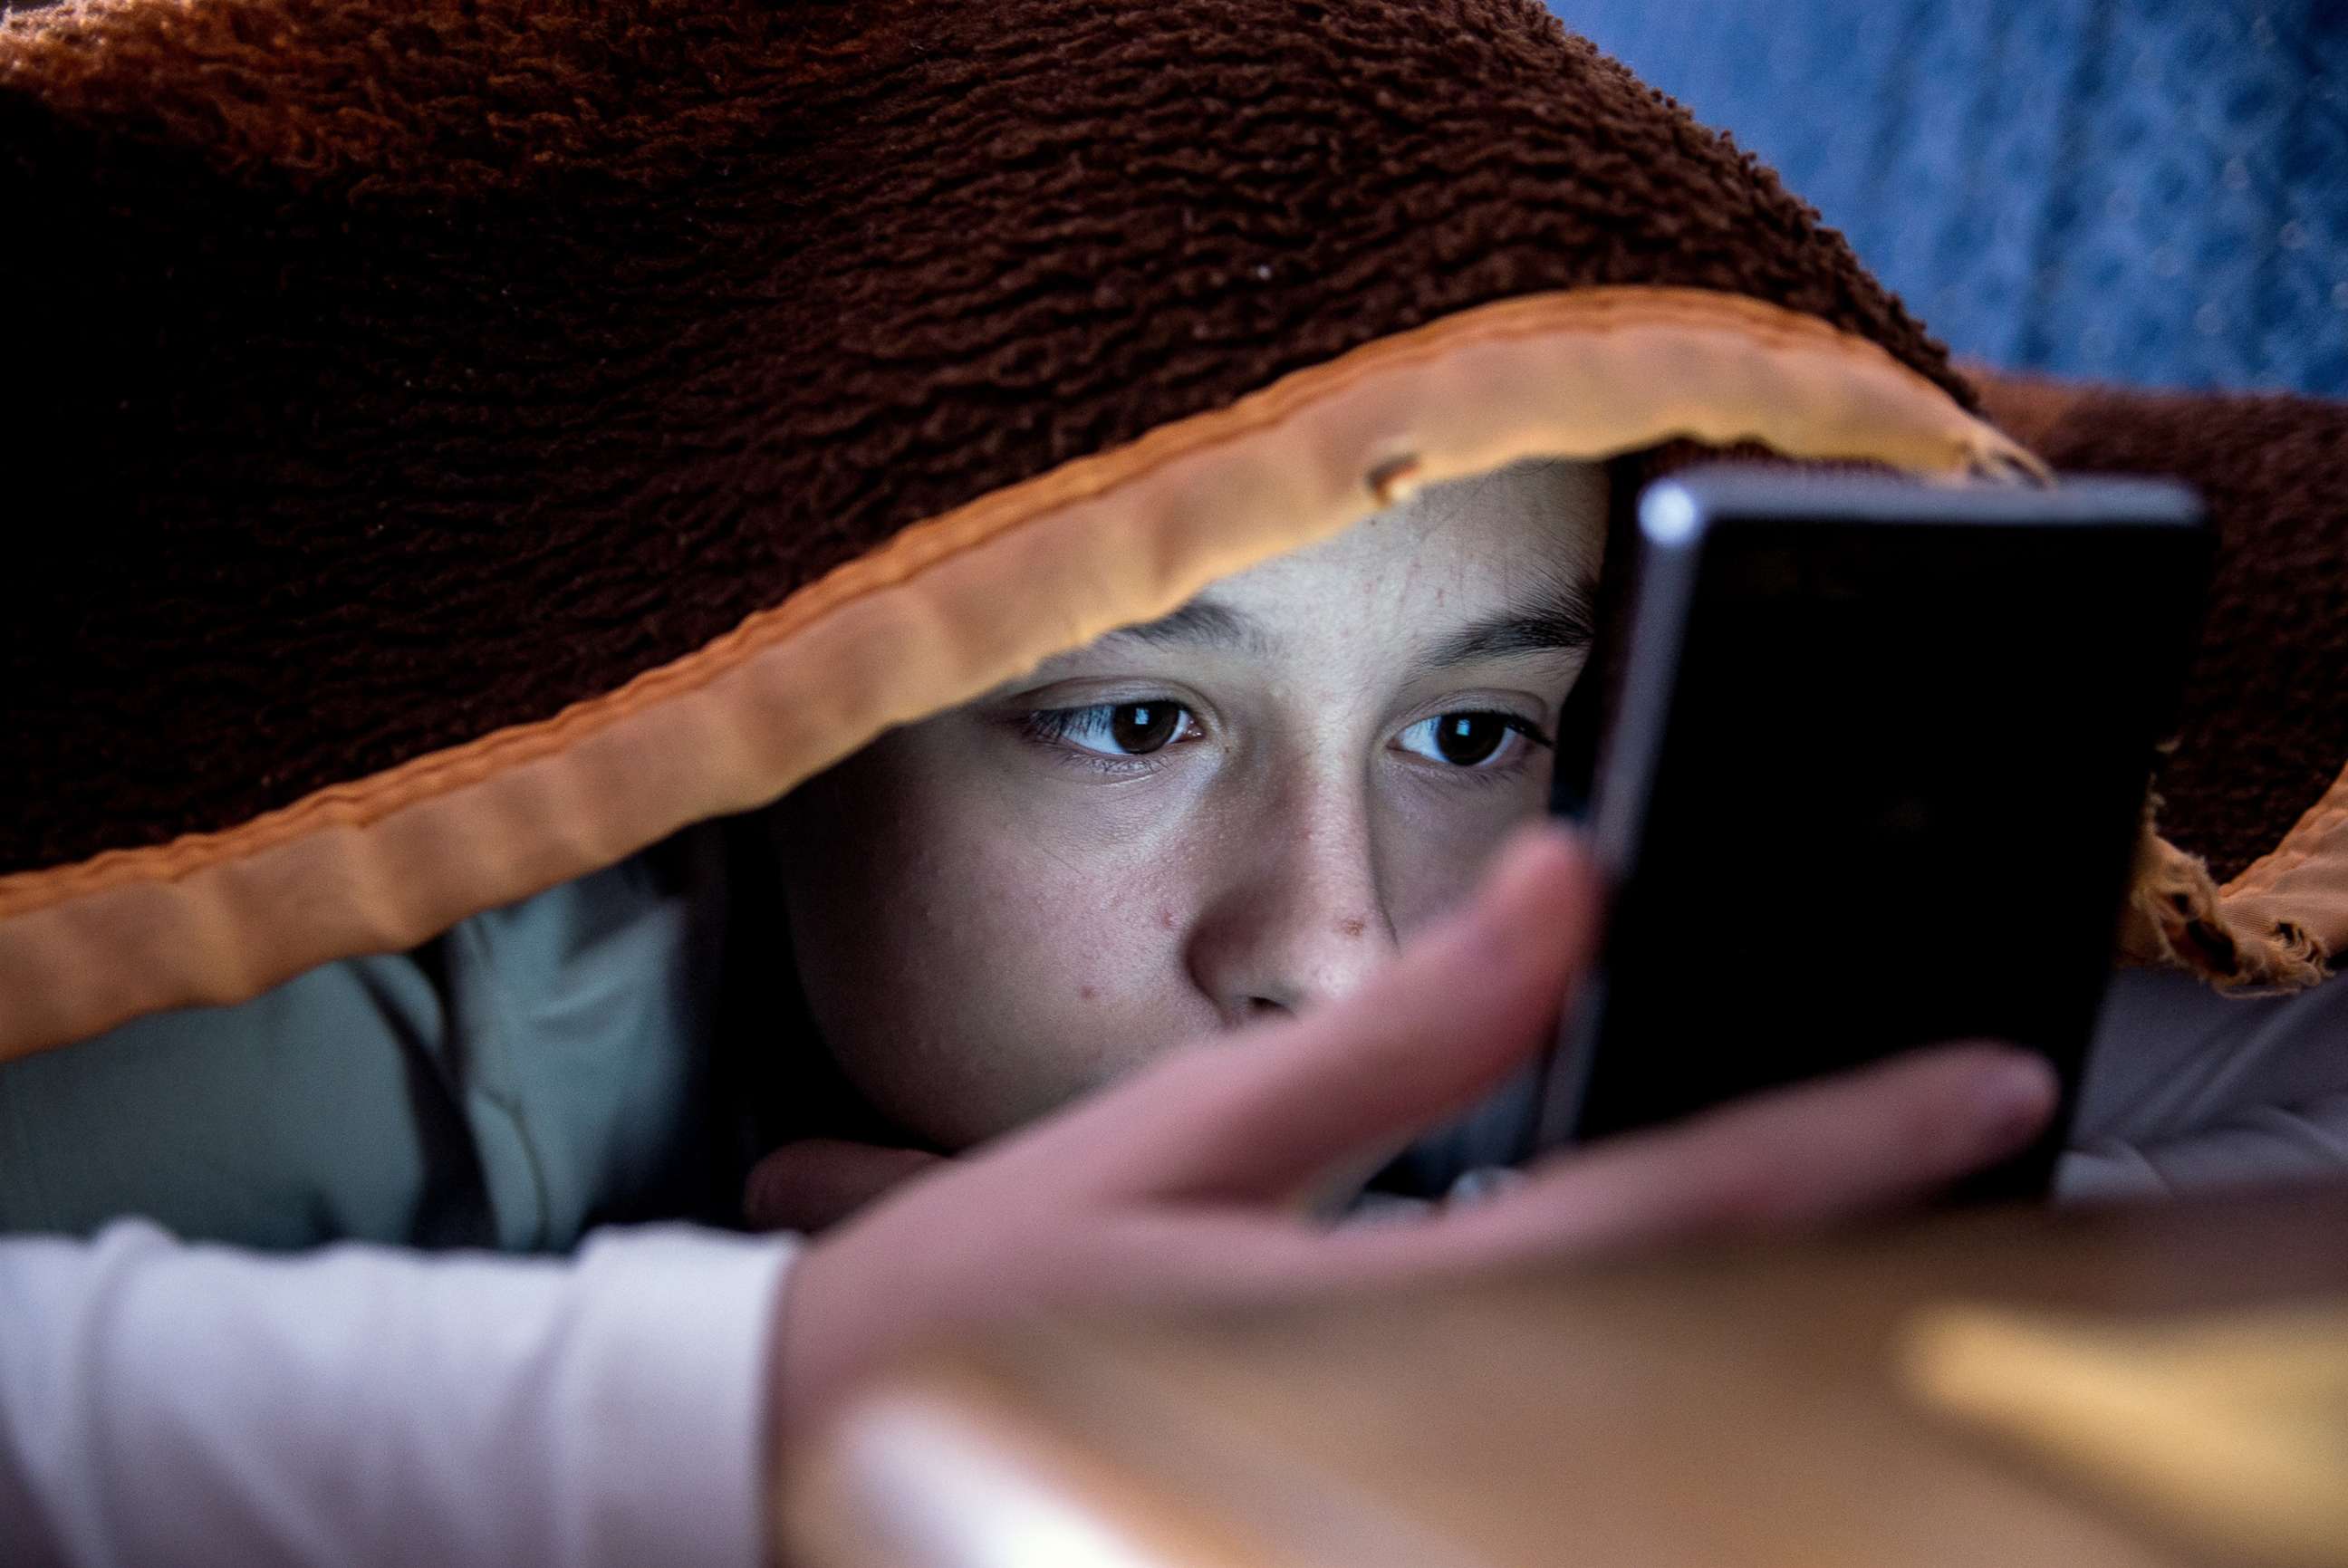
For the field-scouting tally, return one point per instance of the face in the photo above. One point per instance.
(1234, 812)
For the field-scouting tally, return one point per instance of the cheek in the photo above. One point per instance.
(1438, 848)
(971, 970)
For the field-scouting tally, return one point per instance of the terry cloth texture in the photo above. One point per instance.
(455, 445)
(2264, 725)
(392, 373)
(2255, 785)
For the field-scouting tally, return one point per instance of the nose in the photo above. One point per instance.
(1296, 917)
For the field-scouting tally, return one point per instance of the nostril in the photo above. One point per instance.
(1265, 1007)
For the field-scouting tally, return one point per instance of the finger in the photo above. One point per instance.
(1261, 1116)
(1798, 1158)
(819, 1182)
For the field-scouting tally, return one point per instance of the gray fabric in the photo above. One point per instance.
(2186, 1090)
(549, 1067)
(539, 1070)
(2189, 1092)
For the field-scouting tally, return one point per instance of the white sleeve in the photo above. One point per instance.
(177, 1404)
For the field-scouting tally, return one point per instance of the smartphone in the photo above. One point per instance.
(1872, 779)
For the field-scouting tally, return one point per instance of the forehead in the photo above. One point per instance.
(1484, 537)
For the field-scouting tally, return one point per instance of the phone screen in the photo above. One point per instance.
(1875, 782)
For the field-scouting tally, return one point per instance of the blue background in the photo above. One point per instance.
(2147, 191)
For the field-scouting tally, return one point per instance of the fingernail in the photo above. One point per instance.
(1533, 861)
(2017, 1097)
(1532, 853)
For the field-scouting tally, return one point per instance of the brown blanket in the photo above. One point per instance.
(456, 443)
(2254, 787)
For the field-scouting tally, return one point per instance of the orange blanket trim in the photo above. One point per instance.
(947, 609)
(2299, 890)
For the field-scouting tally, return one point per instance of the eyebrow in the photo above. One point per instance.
(1201, 621)
(1562, 619)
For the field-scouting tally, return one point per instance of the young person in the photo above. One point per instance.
(476, 448)
(1220, 825)
(1233, 811)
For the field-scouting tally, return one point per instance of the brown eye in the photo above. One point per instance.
(1467, 739)
(1114, 728)
(1141, 727)
(1470, 739)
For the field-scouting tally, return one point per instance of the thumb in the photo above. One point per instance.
(1261, 1116)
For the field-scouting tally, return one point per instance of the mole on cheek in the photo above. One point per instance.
(1352, 927)
(1086, 992)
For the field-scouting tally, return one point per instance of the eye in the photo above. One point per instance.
(1470, 739)
(1117, 730)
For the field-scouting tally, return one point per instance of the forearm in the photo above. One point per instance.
(168, 1403)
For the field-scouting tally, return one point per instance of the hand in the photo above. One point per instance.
(1180, 1184)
